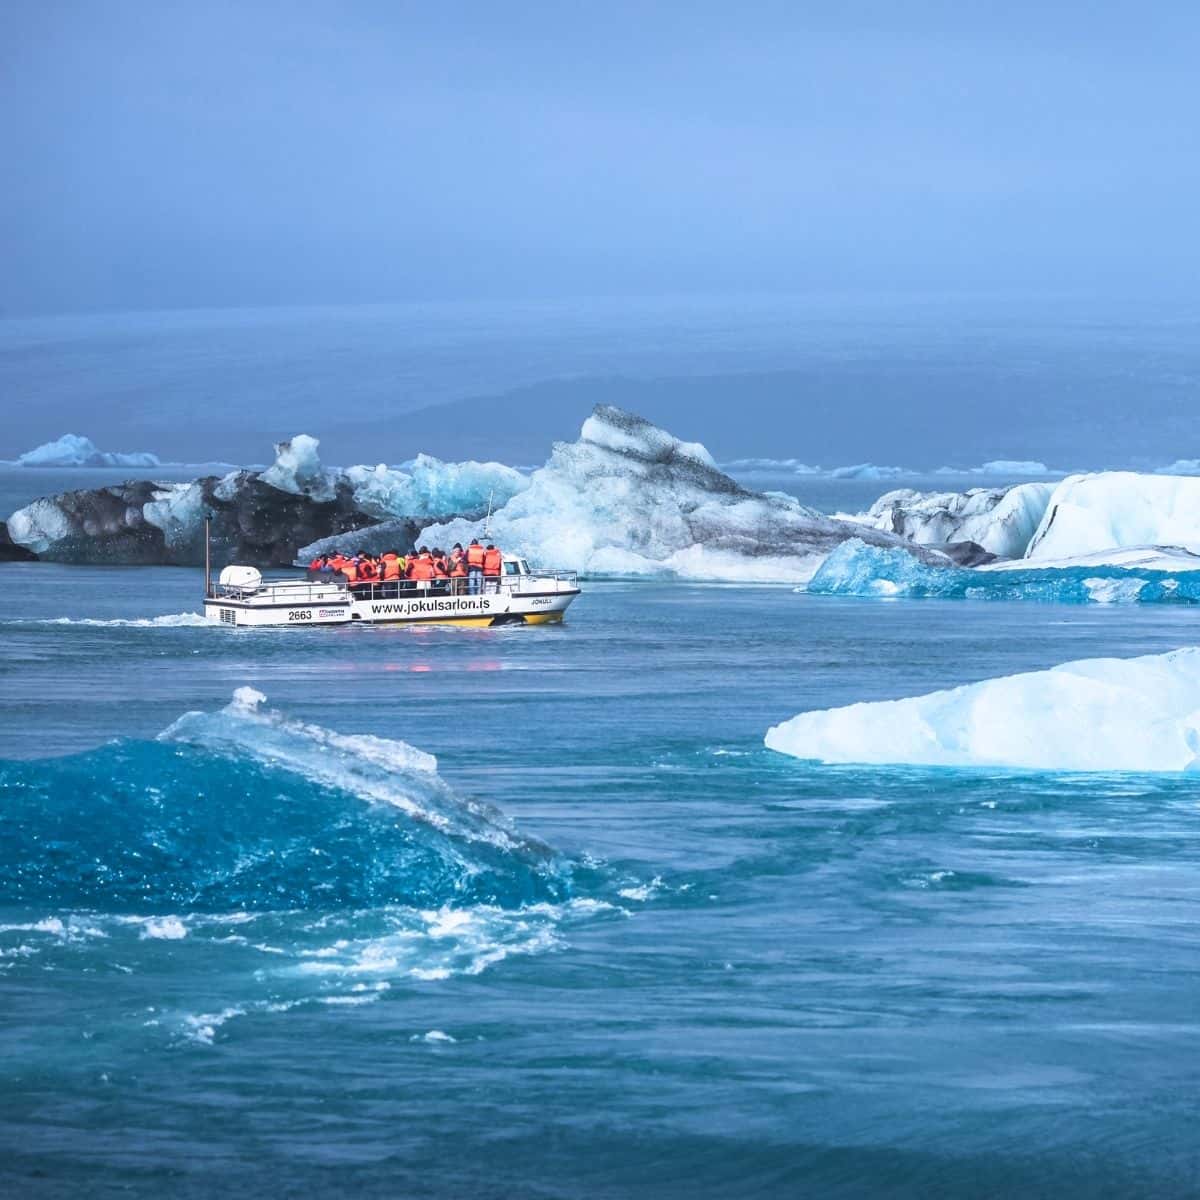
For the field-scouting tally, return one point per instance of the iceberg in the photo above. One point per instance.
(1010, 467)
(1007, 468)
(71, 450)
(869, 471)
(261, 518)
(1111, 519)
(629, 498)
(1001, 520)
(426, 488)
(74, 526)
(147, 523)
(1114, 509)
(1119, 577)
(773, 466)
(1100, 714)
(1137, 558)
(297, 469)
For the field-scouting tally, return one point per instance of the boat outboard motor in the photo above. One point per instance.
(245, 579)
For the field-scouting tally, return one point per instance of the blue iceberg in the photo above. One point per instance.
(857, 569)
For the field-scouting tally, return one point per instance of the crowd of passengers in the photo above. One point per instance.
(469, 571)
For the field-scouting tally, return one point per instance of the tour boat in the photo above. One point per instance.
(242, 596)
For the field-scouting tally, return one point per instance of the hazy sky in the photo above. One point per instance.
(169, 154)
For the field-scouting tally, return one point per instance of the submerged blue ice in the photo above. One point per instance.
(856, 569)
(247, 810)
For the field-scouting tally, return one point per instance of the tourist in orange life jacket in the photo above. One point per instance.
(475, 554)
(390, 562)
(349, 569)
(421, 568)
(492, 566)
(458, 567)
(363, 576)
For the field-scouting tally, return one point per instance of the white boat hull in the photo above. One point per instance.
(529, 601)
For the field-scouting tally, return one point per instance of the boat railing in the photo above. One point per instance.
(315, 589)
(289, 591)
(571, 577)
(490, 585)
(455, 585)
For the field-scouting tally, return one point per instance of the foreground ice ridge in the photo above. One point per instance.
(313, 866)
(380, 769)
(628, 498)
(246, 808)
(258, 517)
(1099, 714)
(71, 450)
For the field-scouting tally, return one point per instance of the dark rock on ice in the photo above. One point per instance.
(10, 551)
(966, 554)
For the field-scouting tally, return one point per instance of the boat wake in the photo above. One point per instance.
(184, 620)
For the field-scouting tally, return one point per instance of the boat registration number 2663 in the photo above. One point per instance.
(299, 614)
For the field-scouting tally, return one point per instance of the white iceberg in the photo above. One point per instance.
(1115, 509)
(1099, 714)
(297, 469)
(629, 499)
(1001, 520)
(72, 450)
(869, 471)
(39, 525)
(773, 466)
(178, 510)
(1067, 523)
(1009, 467)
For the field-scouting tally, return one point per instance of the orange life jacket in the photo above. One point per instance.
(439, 567)
(491, 562)
(421, 568)
(349, 570)
(315, 565)
(475, 553)
(391, 567)
(367, 569)
(458, 567)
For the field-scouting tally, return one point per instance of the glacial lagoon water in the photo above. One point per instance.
(671, 963)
